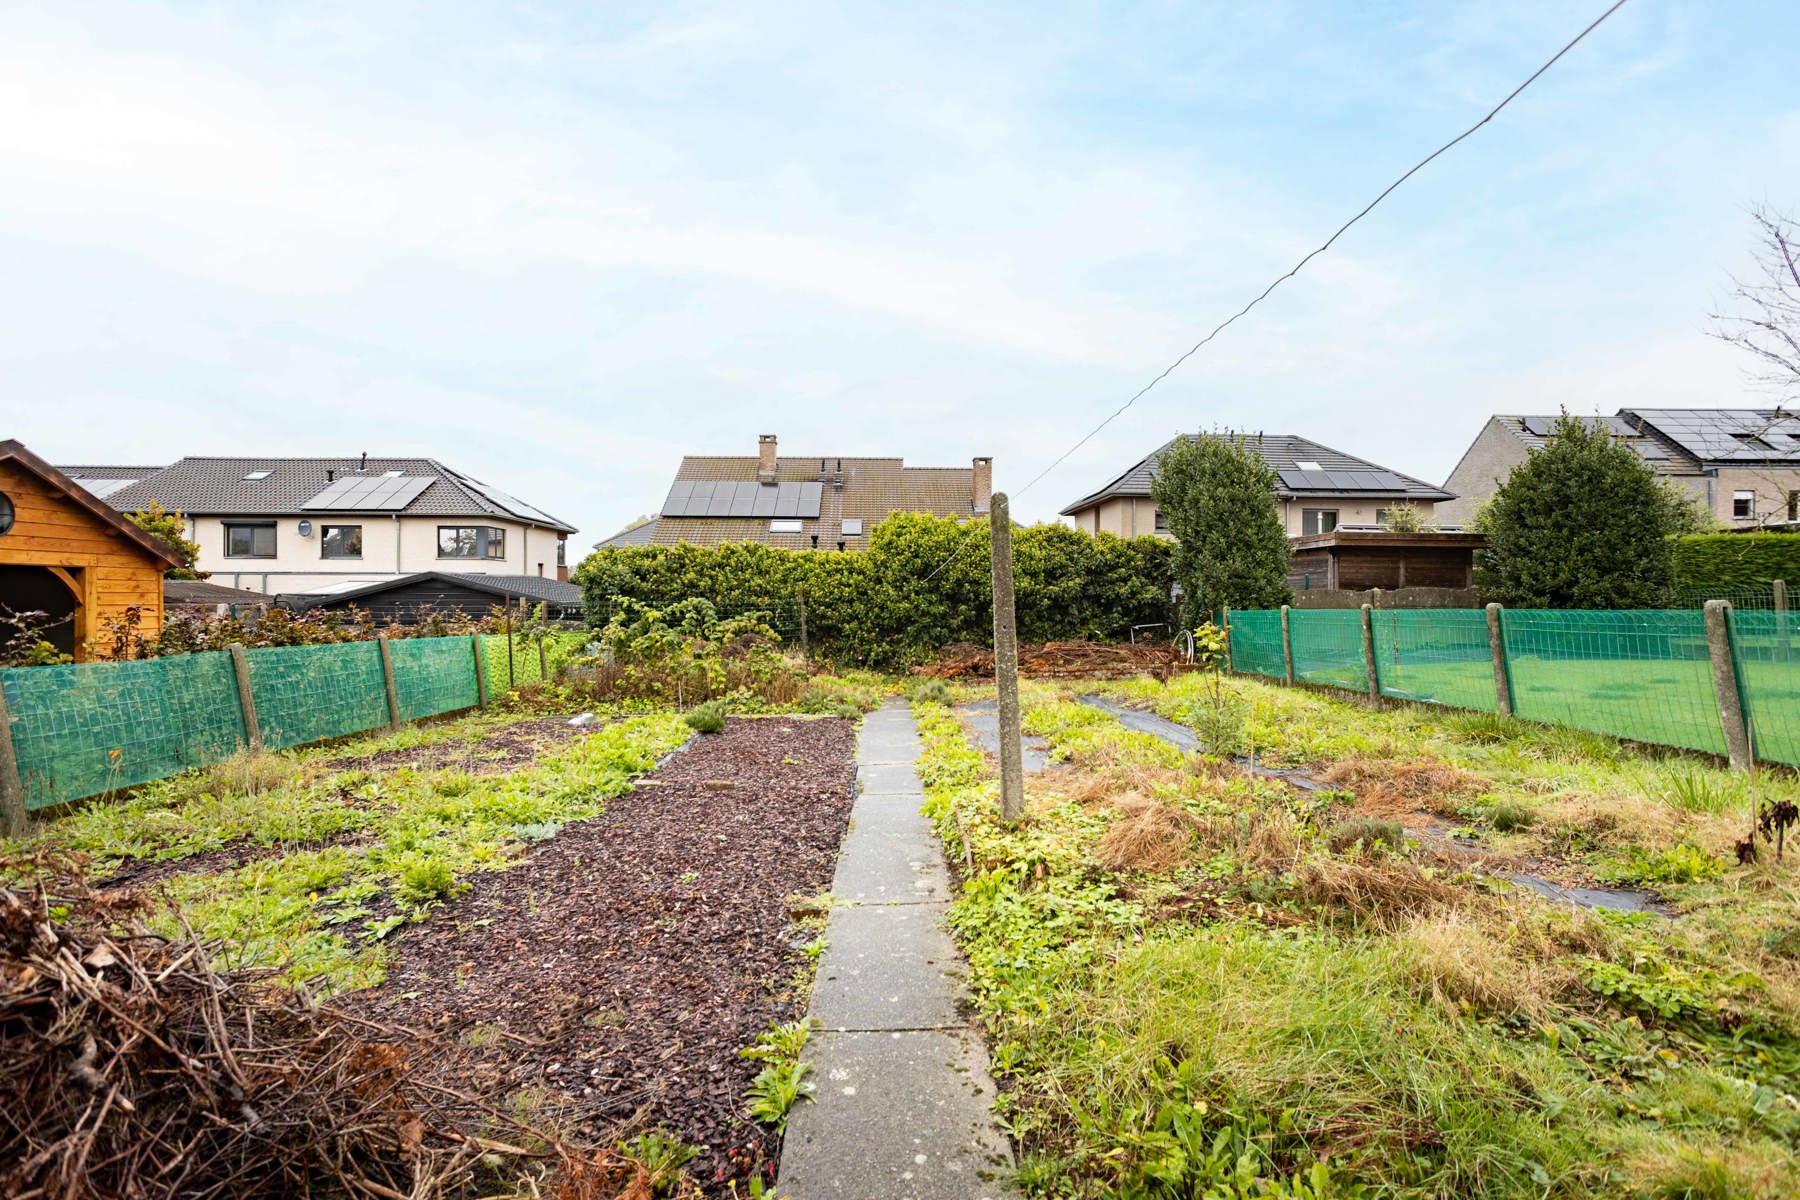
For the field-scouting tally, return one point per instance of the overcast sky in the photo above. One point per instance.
(560, 245)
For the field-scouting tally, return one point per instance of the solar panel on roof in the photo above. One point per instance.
(362, 493)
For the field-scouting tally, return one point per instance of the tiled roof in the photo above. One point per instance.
(199, 591)
(1282, 452)
(218, 487)
(535, 588)
(637, 535)
(1661, 454)
(872, 488)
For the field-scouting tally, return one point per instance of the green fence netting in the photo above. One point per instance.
(523, 664)
(1256, 643)
(304, 693)
(1438, 655)
(90, 728)
(1644, 674)
(433, 675)
(1328, 647)
(1768, 663)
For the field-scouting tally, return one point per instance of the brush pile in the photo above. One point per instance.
(1059, 660)
(129, 1066)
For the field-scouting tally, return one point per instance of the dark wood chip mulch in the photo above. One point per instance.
(612, 977)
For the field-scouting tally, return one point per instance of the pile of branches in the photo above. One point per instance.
(1059, 660)
(130, 1066)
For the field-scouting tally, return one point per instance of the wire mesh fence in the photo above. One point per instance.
(1328, 647)
(1768, 664)
(89, 728)
(1256, 643)
(1439, 656)
(92, 728)
(511, 660)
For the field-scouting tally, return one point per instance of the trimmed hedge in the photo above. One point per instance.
(1727, 560)
(877, 608)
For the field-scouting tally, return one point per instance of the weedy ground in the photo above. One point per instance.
(1200, 981)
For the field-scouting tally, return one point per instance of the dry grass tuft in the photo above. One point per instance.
(1148, 836)
(1384, 785)
(1379, 892)
(1491, 965)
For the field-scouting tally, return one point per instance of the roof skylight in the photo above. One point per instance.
(256, 475)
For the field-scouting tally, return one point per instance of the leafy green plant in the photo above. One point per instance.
(706, 718)
(1683, 862)
(931, 691)
(1654, 986)
(781, 1083)
(423, 882)
(660, 1156)
(1370, 834)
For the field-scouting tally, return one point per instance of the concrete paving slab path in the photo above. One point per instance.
(902, 1107)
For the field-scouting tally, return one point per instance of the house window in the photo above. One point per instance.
(852, 527)
(471, 541)
(562, 552)
(340, 541)
(1743, 506)
(784, 526)
(6, 513)
(1318, 520)
(250, 539)
(1160, 522)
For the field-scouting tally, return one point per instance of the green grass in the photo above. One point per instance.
(1242, 1025)
(404, 841)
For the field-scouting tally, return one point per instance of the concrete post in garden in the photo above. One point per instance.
(1783, 629)
(1725, 683)
(805, 655)
(240, 667)
(1006, 661)
(1497, 648)
(14, 822)
(1287, 648)
(1368, 632)
(480, 672)
(1225, 628)
(543, 660)
(387, 680)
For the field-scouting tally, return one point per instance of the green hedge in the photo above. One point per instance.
(1727, 560)
(877, 607)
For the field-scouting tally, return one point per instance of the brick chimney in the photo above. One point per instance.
(981, 483)
(765, 458)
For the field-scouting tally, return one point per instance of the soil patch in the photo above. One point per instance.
(138, 873)
(512, 747)
(610, 979)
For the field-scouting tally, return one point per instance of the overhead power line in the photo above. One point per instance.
(1293, 270)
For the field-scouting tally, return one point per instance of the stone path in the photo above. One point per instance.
(901, 1106)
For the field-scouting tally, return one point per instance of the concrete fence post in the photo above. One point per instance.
(1006, 660)
(387, 680)
(240, 667)
(1225, 628)
(1503, 701)
(1368, 642)
(1725, 682)
(1783, 626)
(480, 671)
(14, 821)
(1287, 648)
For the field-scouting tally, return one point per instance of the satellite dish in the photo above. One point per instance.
(306, 529)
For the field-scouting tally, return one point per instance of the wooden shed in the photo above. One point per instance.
(1354, 560)
(67, 553)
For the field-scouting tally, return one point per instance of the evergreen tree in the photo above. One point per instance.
(1581, 523)
(1217, 497)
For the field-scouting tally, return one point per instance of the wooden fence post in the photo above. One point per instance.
(543, 661)
(1497, 648)
(1725, 682)
(1006, 660)
(1368, 639)
(480, 672)
(1287, 648)
(387, 680)
(240, 667)
(14, 820)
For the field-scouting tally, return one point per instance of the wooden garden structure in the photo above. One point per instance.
(65, 552)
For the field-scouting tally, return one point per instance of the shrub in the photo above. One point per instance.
(933, 691)
(706, 718)
(1218, 498)
(1717, 561)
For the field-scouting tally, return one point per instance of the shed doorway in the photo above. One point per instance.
(39, 589)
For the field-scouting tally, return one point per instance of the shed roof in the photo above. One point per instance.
(275, 487)
(199, 591)
(1326, 473)
(537, 589)
(13, 451)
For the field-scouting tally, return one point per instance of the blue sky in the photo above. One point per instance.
(561, 245)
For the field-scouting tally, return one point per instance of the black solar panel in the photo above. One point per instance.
(368, 493)
(736, 498)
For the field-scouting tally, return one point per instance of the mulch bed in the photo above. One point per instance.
(614, 975)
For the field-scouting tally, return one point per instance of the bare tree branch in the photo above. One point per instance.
(1766, 323)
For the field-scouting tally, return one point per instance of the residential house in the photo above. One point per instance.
(407, 598)
(65, 553)
(1743, 463)
(1317, 490)
(806, 502)
(279, 525)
